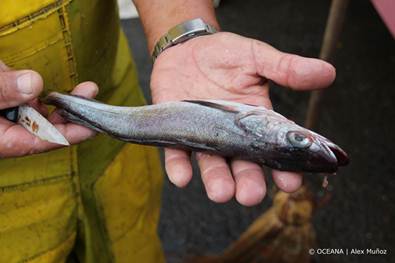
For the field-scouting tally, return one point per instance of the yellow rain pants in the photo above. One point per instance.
(95, 202)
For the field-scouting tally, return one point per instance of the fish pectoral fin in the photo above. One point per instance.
(249, 127)
(242, 111)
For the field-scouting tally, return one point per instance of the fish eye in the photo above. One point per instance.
(298, 139)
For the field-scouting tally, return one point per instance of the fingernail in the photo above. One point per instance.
(330, 70)
(216, 190)
(251, 193)
(179, 179)
(220, 191)
(24, 83)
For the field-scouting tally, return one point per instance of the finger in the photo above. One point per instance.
(287, 181)
(289, 70)
(250, 183)
(216, 177)
(17, 87)
(178, 166)
(85, 89)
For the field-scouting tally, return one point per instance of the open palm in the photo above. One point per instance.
(230, 67)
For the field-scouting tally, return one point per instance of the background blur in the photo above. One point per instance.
(358, 115)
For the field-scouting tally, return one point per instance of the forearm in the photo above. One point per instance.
(158, 16)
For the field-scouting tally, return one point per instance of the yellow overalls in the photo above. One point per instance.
(95, 202)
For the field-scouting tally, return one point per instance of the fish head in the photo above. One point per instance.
(300, 149)
(282, 144)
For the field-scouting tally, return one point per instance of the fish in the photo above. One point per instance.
(229, 129)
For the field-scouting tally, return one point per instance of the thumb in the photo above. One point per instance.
(290, 70)
(18, 87)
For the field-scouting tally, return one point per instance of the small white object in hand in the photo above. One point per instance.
(127, 9)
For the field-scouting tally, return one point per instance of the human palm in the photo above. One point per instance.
(230, 67)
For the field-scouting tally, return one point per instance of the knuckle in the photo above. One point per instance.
(285, 65)
(248, 171)
(174, 158)
(215, 170)
(200, 156)
(285, 62)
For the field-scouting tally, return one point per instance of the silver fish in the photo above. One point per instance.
(221, 127)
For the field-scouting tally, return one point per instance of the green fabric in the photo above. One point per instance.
(101, 198)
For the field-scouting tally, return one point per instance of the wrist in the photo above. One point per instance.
(159, 16)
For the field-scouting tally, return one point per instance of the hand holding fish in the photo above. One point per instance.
(231, 67)
(18, 87)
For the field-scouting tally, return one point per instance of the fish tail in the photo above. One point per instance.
(89, 113)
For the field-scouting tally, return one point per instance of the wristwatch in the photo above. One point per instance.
(181, 33)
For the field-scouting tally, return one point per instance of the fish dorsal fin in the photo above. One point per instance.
(228, 106)
(214, 105)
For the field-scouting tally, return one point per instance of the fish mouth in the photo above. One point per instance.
(332, 153)
(340, 155)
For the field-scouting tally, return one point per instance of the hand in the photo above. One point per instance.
(231, 67)
(23, 86)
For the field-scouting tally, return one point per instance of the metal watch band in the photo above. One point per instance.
(182, 33)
